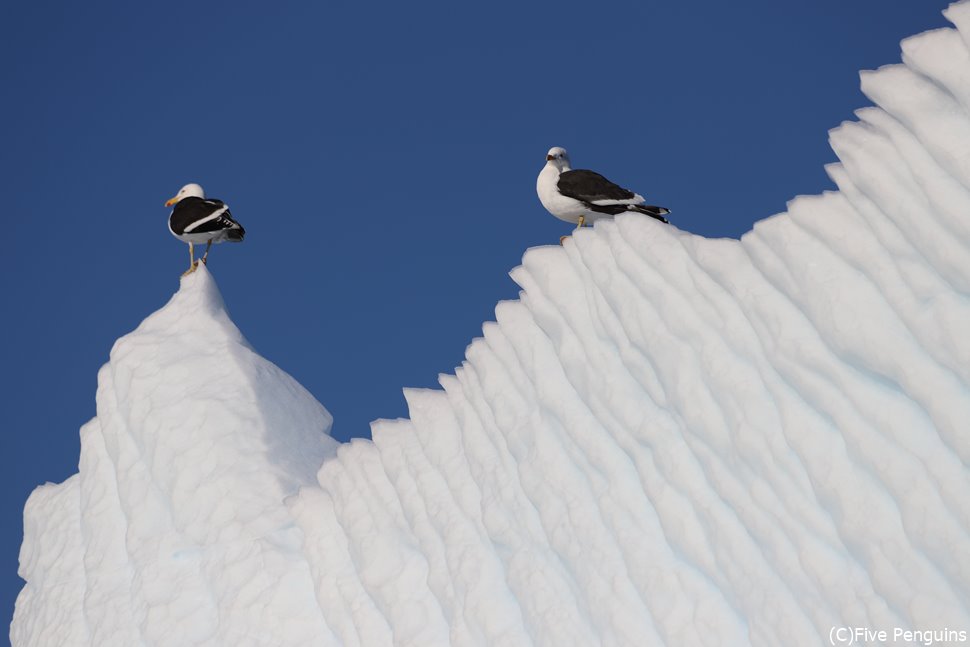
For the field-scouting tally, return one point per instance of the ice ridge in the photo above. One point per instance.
(666, 440)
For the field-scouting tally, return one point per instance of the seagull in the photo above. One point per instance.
(585, 196)
(198, 220)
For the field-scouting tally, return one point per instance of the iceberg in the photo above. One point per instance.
(666, 440)
(175, 529)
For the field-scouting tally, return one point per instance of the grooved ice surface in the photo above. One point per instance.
(175, 530)
(665, 440)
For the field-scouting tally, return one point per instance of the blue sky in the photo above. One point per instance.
(382, 158)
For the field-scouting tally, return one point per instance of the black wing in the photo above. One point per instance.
(588, 186)
(191, 210)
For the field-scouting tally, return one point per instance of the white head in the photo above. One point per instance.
(558, 157)
(192, 190)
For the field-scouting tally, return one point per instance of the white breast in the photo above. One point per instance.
(557, 204)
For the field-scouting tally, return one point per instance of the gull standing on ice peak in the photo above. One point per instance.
(196, 220)
(585, 196)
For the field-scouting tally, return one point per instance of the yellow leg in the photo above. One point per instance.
(206, 255)
(191, 261)
(579, 225)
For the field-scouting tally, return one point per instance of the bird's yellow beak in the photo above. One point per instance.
(549, 158)
(172, 201)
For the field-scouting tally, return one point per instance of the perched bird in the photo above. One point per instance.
(196, 220)
(585, 196)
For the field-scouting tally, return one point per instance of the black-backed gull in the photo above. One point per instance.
(582, 196)
(197, 220)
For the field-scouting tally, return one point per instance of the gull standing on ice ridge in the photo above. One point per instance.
(196, 220)
(585, 196)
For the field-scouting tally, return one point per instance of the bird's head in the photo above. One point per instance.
(192, 190)
(558, 157)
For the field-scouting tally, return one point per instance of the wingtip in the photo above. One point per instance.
(652, 210)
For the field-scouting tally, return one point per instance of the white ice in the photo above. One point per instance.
(667, 440)
(175, 530)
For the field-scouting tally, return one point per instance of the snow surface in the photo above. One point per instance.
(666, 440)
(175, 530)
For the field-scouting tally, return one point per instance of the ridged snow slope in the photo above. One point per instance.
(666, 440)
(175, 530)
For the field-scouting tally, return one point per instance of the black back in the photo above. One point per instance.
(191, 210)
(589, 185)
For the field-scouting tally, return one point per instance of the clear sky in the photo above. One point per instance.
(382, 157)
